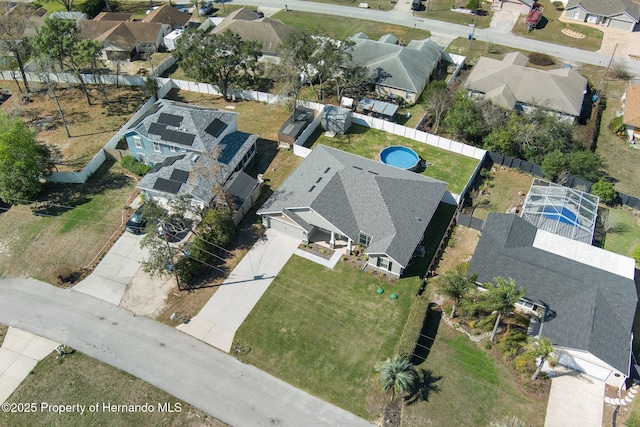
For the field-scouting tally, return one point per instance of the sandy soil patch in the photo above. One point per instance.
(146, 295)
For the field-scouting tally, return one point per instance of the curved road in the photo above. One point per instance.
(568, 54)
(236, 393)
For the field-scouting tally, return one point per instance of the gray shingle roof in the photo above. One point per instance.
(355, 194)
(559, 90)
(408, 68)
(592, 309)
(195, 121)
(608, 7)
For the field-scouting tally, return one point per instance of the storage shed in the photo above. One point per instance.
(336, 119)
(294, 126)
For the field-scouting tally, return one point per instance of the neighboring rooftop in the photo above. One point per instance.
(561, 210)
(358, 195)
(404, 67)
(269, 33)
(510, 81)
(589, 293)
(608, 7)
(166, 14)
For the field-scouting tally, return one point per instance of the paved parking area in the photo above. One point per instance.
(575, 400)
(19, 354)
(220, 318)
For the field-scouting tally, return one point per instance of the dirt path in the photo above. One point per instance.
(146, 295)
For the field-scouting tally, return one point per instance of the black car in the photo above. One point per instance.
(136, 223)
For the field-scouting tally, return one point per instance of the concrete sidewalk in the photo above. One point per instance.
(110, 278)
(220, 318)
(19, 354)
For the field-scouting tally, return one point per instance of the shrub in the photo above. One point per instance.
(511, 343)
(558, 5)
(541, 59)
(134, 166)
(604, 189)
(635, 254)
(617, 125)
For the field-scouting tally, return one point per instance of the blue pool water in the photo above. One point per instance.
(400, 157)
(561, 214)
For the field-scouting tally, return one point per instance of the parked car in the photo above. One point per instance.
(136, 223)
(205, 9)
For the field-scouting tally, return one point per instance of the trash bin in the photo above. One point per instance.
(470, 36)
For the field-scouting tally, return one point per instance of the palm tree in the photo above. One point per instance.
(397, 375)
(541, 347)
(501, 297)
(455, 284)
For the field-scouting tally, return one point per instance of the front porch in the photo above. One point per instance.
(331, 240)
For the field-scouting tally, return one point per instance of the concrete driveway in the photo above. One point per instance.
(575, 400)
(19, 354)
(110, 278)
(220, 318)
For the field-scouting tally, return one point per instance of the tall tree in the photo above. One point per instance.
(58, 40)
(328, 61)
(398, 376)
(221, 59)
(352, 80)
(455, 284)
(501, 297)
(12, 40)
(464, 119)
(85, 55)
(23, 162)
(438, 100)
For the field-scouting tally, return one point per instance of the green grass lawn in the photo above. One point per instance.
(626, 235)
(452, 168)
(79, 379)
(441, 11)
(468, 387)
(339, 27)
(551, 30)
(373, 4)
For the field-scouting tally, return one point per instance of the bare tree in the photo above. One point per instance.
(210, 174)
(12, 40)
(439, 100)
(45, 66)
(67, 4)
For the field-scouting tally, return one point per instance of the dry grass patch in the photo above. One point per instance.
(91, 126)
(507, 188)
(65, 228)
(80, 379)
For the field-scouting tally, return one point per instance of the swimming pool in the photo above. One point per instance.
(561, 214)
(400, 157)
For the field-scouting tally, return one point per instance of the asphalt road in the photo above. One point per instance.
(567, 54)
(220, 385)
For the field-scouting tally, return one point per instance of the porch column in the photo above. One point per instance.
(349, 246)
(332, 241)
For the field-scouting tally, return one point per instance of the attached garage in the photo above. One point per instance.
(281, 223)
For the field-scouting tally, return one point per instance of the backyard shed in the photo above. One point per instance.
(336, 119)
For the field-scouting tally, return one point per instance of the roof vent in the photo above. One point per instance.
(327, 170)
(312, 188)
(356, 167)
(195, 157)
(318, 180)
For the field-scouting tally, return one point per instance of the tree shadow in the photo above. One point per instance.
(428, 333)
(424, 387)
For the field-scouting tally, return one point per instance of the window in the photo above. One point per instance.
(384, 263)
(576, 14)
(137, 141)
(156, 147)
(172, 149)
(364, 239)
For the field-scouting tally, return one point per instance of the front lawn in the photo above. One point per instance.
(550, 30)
(65, 228)
(454, 169)
(342, 27)
(324, 330)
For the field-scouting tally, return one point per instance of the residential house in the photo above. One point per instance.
(193, 151)
(348, 200)
(581, 297)
(620, 14)
(400, 71)
(251, 26)
(510, 84)
(168, 15)
(631, 118)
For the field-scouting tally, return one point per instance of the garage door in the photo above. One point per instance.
(287, 228)
(582, 365)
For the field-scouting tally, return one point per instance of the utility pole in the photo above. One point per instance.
(165, 237)
(607, 71)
